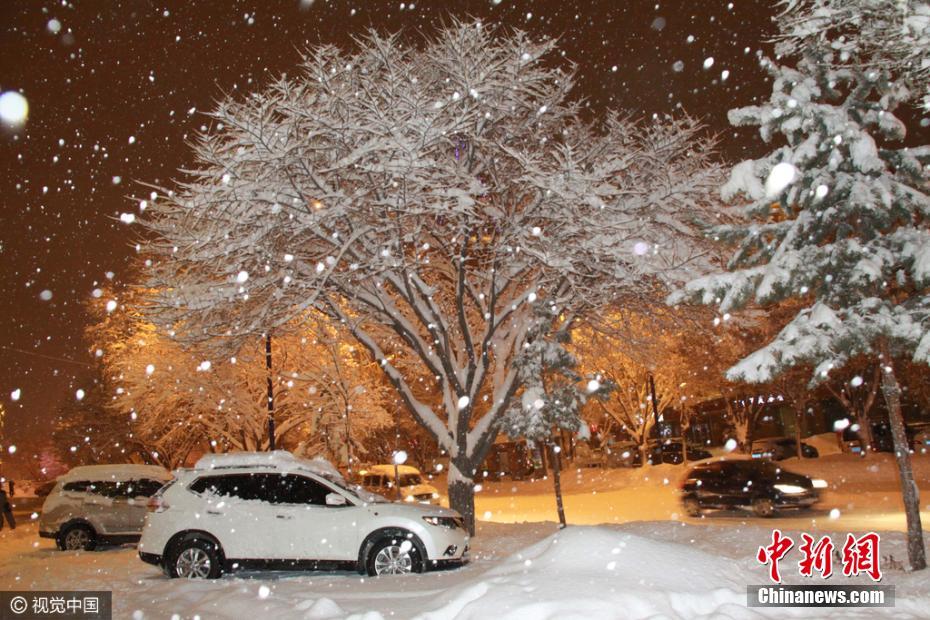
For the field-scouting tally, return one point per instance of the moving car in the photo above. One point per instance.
(759, 485)
(271, 509)
(99, 504)
(781, 448)
(380, 479)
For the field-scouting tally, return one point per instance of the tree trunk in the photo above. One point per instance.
(557, 482)
(865, 428)
(916, 554)
(462, 499)
(271, 442)
(798, 421)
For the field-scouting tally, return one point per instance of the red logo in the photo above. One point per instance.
(860, 555)
(817, 557)
(774, 552)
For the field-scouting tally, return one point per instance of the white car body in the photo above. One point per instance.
(106, 502)
(231, 501)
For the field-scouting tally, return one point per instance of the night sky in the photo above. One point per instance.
(114, 89)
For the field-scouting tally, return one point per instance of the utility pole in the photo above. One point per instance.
(270, 392)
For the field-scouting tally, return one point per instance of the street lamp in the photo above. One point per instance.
(400, 457)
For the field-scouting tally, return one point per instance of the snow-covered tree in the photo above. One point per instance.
(178, 399)
(343, 389)
(837, 220)
(891, 36)
(552, 394)
(426, 198)
(680, 354)
(743, 413)
(857, 395)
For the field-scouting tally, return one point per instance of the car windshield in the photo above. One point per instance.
(409, 480)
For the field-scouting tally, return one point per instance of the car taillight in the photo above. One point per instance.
(157, 504)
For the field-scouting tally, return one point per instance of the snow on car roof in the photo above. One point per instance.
(277, 459)
(389, 469)
(117, 472)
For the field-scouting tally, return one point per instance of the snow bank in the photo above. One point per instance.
(598, 572)
(825, 443)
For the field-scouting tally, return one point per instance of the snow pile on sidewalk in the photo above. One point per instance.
(596, 572)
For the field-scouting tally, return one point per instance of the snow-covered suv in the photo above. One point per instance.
(271, 509)
(96, 504)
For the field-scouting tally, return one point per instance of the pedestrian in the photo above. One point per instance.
(11, 485)
(7, 510)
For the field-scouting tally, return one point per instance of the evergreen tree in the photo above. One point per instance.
(552, 396)
(836, 219)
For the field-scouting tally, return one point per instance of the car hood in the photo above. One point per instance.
(418, 489)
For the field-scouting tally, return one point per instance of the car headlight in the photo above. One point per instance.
(409, 498)
(789, 489)
(450, 523)
(819, 484)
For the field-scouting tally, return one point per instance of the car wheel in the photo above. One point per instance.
(195, 558)
(78, 537)
(763, 507)
(692, 506)
(393, 555)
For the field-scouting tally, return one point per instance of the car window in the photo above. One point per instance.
(409, 480)
(707, 471)
(111, 489)
(77, 487)
(242, 486)
(294, 489)
(102, 487)
(145, 487)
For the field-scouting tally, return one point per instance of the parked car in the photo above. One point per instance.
(380, 479)
(272, 509)
(919, 437)
(781, 448)
(623, 454)
(759, 485)
(99, 504)
(881, 439)
(671, 451)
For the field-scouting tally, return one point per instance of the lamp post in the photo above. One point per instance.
(400, 457)
(271, 445)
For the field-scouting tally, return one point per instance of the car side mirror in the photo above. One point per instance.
(334, 499)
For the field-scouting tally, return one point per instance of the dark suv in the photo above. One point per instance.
(760, 485)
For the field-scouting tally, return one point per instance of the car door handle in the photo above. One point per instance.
(214, 512)
(284, 517)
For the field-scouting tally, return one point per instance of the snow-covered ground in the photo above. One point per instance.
(657, 567)
(532, 571)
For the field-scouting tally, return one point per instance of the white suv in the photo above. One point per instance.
(270, 509)
(99, 504)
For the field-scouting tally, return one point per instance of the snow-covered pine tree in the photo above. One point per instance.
(881, 35)
(424, 197)
(552, 394)
(837, 219)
